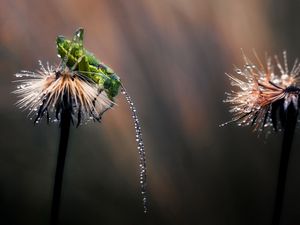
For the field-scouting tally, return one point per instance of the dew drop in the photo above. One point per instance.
(248, 66)
(140, 148)
(238, 71)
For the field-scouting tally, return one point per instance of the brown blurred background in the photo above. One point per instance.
(172, 56)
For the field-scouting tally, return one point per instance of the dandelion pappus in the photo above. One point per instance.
(263, 92)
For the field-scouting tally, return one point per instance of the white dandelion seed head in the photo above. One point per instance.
(261, 90)
(52, 89)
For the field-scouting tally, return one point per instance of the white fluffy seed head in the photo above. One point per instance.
(53, 89)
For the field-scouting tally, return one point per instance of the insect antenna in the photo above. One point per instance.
(140, 146)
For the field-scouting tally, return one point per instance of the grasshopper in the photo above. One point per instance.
(77, 58)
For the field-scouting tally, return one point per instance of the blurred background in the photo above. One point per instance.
(172, 56)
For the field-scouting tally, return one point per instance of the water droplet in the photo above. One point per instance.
(238, 71)
(248, 66)
(140, 148)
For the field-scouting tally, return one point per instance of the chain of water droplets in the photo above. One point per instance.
(140, 147)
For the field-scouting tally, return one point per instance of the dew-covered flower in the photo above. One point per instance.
(263, 92)
(51, 90)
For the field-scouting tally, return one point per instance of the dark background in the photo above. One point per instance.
(172, 56)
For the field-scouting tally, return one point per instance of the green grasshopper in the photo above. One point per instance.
(77, 58)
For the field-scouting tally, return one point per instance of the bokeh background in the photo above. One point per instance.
(171, 56)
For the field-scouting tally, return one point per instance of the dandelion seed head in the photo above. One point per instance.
(263, 91)
(52, 89)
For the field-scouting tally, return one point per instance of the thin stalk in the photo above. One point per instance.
(63, 144)
(288, 134)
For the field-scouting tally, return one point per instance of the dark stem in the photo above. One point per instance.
(63, 144)
(288, 134)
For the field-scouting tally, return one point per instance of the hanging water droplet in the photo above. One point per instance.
(238, 71)
(247, 66)
(140, 148)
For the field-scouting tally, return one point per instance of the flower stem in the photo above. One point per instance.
(63, 144)
(288, 134)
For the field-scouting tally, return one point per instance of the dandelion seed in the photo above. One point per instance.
(264, 92)
(43, 93)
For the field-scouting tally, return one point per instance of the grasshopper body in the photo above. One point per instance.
(77, 58)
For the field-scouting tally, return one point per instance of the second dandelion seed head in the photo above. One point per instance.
(264, 92)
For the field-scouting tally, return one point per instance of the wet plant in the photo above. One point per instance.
(78, 90)
(267, 99)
